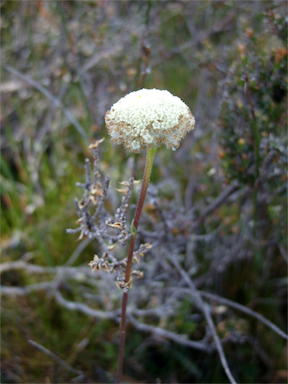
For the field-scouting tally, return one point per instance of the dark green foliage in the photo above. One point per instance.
(253, 113)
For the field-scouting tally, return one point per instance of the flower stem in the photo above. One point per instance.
(146, 178)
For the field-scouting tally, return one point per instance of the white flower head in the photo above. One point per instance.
(149, 118)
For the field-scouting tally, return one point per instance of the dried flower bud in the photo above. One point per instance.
(123, 285)
(82, 236)
(82, 203)
(94, 264)
(96, 144)
(111, 247)
(105, 267)
(127, 183)
(136, 259)
(123, 190)
(96, 191)
(137, 273)
(116, 225)
(120, 284)
(149, 118)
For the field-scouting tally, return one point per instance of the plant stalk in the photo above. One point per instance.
(146, 178)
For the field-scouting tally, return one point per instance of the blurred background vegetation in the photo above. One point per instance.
(64, 63)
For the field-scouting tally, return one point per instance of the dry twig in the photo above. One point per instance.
(206, 311)
(52, 98)
(56, 358)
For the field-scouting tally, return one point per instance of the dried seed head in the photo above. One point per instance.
(149, 118)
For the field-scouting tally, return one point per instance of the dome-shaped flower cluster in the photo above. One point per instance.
(149, 118)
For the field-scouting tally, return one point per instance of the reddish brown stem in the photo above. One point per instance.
(146, 178)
